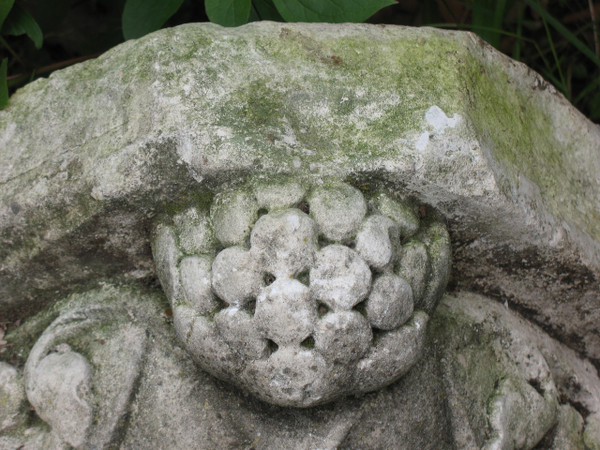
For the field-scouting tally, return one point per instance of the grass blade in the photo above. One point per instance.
(3, 83)
(563, 84)
(534, 4)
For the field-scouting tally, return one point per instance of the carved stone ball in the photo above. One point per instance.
(301, 295)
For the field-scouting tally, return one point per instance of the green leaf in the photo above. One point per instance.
(335, 11)
(267, 11)
(3, 84)
(5, 7)
(141, 17)
(20, 22)
(229, 13)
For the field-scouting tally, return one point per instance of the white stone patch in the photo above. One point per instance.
(196, 283)
(390, 303)
(376, 241)
(235, 276)
(61, 394)
(340, 277)
(422, 141)
(338, 210)
(438, 122)
(233, 214)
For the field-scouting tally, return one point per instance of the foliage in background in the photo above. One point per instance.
(558, 38)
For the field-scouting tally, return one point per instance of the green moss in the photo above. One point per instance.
(517, 129)
(344, 98)
(200, 199)
(22, 339)
(260, 105)
(472, 359)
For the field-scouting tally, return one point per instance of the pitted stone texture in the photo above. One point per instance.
(338, 210)
(293, 376)
(285, 313)
(236, 278)
(195, 273)
(340, 278)
(343, 336)
(285, 242)
(279, 195)
(233, 214)
(402, 214)
(392, 355)
(475, 342)
(12, 398)
(195, 232)
(167, 128)
(239, 330)
(390, 303)
(208, 347)
(376, 241)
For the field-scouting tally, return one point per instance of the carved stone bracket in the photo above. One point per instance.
(302, 295)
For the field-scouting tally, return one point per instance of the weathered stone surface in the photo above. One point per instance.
(147, 391)
(12, 398)
(60, 392)
(290, 333)
(390, 303)
(438, 114)
(494, 361)
(569, 429)
(282, 127)
(591, 434)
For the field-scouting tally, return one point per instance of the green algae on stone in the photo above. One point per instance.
(536, 155)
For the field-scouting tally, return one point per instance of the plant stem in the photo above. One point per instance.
(22, 78)
(517, 52)
(11, 51)
(595, 28)
(563, 88)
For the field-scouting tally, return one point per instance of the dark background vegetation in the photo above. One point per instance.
(559, 39)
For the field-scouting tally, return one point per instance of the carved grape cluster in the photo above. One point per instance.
(314, 294)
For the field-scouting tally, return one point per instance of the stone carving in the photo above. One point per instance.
(91, 357)
(316, 294)
(75, 376)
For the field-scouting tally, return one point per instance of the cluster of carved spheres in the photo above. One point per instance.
(302, 295)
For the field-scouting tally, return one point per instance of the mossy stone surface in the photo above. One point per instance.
(91, 155)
